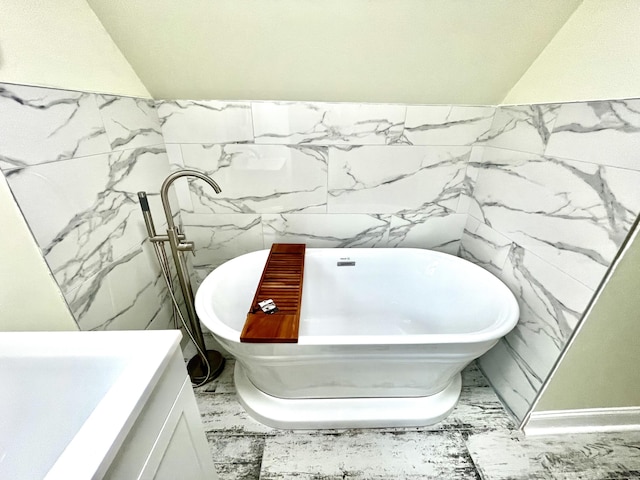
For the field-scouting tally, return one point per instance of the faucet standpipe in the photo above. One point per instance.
(208, 364)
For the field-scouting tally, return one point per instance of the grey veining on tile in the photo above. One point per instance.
(130, 122)
(221, 237)
(426, 230)
(482, 245)
(574, 215)
(323, 231)
(446, 125)
(42, 125)
(500, 455)
(259, 178)
(206, 121)
(327, 123)
(527, 127)
(606, 133)
(551, 303)
(400, 180)
(83, 227)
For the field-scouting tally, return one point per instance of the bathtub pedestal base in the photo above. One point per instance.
(315, 413)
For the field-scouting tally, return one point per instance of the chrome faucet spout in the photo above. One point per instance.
(164, 190)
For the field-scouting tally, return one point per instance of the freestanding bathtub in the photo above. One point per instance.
(384, 334)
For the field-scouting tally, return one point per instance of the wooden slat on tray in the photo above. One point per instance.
(281, 282)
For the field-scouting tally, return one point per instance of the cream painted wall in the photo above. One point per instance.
(29, 296)
(596, 55)
(600, 369)
(413, 51)
(62, 44)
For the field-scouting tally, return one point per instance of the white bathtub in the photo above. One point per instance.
(381, 343)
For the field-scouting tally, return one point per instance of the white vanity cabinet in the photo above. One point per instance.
(167, 441)
(94, 405)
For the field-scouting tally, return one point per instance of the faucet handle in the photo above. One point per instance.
(187, 247)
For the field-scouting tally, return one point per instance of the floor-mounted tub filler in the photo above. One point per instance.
(383, 336)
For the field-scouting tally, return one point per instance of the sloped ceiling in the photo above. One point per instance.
(413, 51)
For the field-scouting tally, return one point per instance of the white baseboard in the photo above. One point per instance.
(583, 421)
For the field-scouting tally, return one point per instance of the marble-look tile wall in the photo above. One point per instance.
(553, 196)
(74, 162)
(328, 175)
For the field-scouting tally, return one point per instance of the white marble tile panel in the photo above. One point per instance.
(139, 295)
(467, 203)
(551, 304)
(419, 230)
(510, 378)
(130, 122)
(484, 246)
(364, 456)
(503, 455)
(327, 123)
(525, 128)
(206, 121)
(127, 294)
(221, 237)
(39, 125)
(331, 230)
(447, 125)
(395, 179)
(84, 225)
(575, 215)
(259, 178)
(607, 133)
(180, 186)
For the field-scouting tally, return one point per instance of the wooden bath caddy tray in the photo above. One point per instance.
(281, 282)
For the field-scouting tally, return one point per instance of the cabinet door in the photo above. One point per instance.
(181, 450)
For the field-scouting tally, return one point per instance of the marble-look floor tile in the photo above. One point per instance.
(400, 180)
(223, 413)
(526, 128)
(327, 123)
(259, 178)
(472, 377)
(446, 125)
(606, 133)
(503, 455)
(206, 121)
(237, 471)
(46, 125)
(236, 456)
(326, 231)
(366, 455)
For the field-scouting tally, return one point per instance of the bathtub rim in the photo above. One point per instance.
(493, 332)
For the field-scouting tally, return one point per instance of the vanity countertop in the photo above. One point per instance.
(68, 399)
